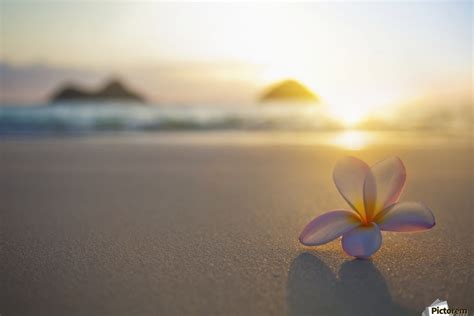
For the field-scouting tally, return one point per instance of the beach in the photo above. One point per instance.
(126, 226)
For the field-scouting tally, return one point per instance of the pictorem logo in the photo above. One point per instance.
(440, 307)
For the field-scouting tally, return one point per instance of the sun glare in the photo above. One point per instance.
(352, 140)
(355, 106)
(347, 115)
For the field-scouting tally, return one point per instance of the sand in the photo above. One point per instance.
(125, 227)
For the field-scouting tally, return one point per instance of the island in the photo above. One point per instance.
(113, 89)
(289, 90)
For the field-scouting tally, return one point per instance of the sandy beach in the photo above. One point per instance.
(125, 227)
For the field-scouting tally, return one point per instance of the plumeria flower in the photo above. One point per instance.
(372, 193)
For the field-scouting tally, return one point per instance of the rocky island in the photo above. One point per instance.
(114, 89)
(289, 91)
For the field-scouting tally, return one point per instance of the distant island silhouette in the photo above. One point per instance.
(289, 90)
(113, 89)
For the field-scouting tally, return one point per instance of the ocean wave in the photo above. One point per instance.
(77, 118)
(89, 117)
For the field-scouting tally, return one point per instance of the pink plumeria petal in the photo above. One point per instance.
(370, 195)
(362, 241)
(406, 217)
(349, 176)
(328, 227)
(383, 185)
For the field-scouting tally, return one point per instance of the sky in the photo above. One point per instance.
(353, 54)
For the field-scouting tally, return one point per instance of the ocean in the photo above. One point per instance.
(115, 117)
(90, 117)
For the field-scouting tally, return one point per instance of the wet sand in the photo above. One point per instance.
(123, 227)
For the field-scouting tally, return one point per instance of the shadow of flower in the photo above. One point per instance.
(359, 289)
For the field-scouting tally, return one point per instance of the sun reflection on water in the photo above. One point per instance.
(353, 140)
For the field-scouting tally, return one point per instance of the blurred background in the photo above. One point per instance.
(109, 67)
